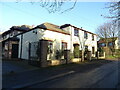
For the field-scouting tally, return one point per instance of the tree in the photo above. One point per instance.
(114, 12)
(108, 32)
(53, 6)
(82, 41)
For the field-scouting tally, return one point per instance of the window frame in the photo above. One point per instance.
(76, 32)
(85, 35)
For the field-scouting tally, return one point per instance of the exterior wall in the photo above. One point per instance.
(80, 40)
(71, 31)
(25, 39)
(31, 36)
(57, 39)
(8, 48)
(117, 44)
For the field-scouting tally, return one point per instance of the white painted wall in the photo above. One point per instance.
(56, 37)
(80, 40)
(117, 44)
(27, 38)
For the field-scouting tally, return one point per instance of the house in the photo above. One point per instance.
(82, 38)
(51, 40)
(110, 42)
(108, 45)
(57, 39)
(10, 43)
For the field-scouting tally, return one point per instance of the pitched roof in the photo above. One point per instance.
(66, 25)
(52, 27)
(103, 40)
(22, 28)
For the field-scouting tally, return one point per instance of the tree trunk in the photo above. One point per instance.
(82, 59)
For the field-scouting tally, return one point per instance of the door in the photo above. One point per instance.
(14, 51)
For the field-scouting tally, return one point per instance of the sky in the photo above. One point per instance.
(85, 14)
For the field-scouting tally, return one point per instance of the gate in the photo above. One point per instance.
(33, 51)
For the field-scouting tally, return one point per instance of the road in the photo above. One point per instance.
(105, 76)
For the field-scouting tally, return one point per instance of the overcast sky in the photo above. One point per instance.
(85, 14)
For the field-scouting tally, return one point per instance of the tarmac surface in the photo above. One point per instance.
(19, 74)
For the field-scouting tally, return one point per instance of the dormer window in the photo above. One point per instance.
(76, 32)
(85, 35)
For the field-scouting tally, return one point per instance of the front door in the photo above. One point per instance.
(14, 51)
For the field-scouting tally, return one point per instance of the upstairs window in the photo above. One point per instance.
(92, 37)
(76, 32)
(85, 35)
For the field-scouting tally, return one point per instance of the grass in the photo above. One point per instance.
(113, 57)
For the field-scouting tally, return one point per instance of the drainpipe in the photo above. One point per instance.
(21, 46)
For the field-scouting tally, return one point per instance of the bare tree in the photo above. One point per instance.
(82, 41)
(108, 31)
(113, 8)
(53, 6)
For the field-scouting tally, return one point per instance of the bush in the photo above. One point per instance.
(59, 54)
(76, 52)
(71, 56)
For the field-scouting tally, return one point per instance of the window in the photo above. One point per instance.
(85, 35)
(64, 45)
(92, 37)
(103, 44)
(110, 44)
(76, 32)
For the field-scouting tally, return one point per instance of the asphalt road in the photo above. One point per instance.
(106, 76)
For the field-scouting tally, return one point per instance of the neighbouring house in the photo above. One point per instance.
(10, 43)
(51, 41)
(108, 45)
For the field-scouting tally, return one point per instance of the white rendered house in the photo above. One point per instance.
(83, 38)
(59, 38)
